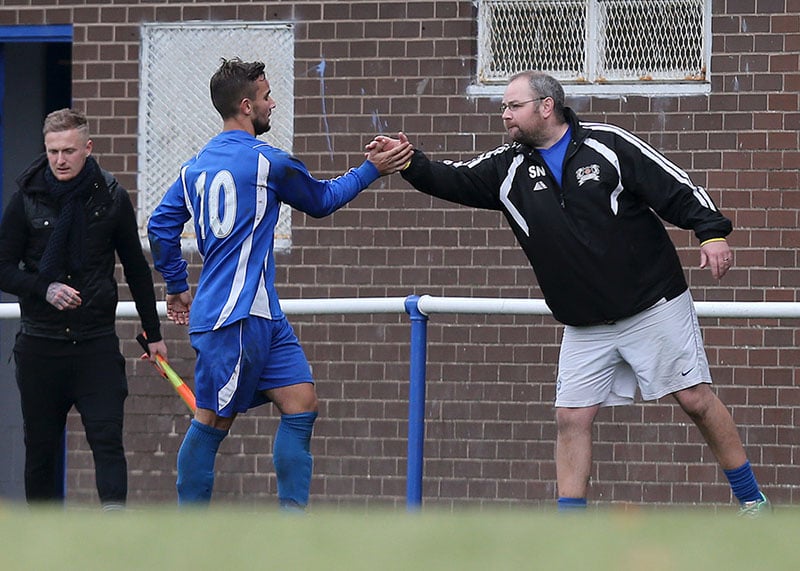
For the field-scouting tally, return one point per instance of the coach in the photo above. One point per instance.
(584, 201)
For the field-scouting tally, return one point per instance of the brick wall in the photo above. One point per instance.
(490, 420)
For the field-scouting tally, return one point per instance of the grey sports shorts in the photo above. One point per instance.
(659, 350)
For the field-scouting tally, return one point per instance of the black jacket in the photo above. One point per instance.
(596, 244)
(111, 227)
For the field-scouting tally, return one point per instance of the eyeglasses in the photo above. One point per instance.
(514, 105)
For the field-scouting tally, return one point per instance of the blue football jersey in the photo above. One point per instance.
(233, 189)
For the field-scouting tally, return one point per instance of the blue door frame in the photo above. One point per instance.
(26, 34)
(39, 34)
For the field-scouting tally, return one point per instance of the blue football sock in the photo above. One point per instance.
(573, 505)
(292, 458)
(196, 463)
(743, 483)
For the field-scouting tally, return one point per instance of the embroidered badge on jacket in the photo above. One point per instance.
(590, 172)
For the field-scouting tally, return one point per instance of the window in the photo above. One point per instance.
(176, 117)
(594, 46)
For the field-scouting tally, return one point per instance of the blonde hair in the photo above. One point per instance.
(65, 120)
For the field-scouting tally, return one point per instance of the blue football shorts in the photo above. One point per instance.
(237, 363)
(659, 351)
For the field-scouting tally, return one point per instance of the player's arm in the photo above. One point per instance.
(294, 185)
(164, 233)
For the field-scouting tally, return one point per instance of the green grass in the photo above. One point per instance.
(228, 539)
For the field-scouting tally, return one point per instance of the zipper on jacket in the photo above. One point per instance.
(573, 148)
(558, 187)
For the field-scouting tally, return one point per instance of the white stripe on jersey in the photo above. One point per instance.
(260, 305)
(671, 168)
(186, 197)
(505, 189)
(240, 275)
(611, 157)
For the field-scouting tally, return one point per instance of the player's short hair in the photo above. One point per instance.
(66, 120)
(544, 85)
(233, 81)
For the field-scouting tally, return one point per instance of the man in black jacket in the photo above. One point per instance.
(584, 201)
(58, 239)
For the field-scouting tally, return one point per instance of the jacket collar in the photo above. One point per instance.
(579, 133)
(32, 180)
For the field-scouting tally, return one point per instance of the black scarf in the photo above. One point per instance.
(66, 249)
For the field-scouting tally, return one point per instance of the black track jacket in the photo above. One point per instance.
(597, 245)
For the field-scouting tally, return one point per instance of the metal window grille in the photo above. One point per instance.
(176, 117)
(595, 41)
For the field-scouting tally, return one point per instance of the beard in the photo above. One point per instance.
(528, 139)
(261, 127)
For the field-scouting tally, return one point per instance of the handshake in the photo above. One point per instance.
(389, 155)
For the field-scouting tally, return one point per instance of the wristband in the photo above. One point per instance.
(405, 166)
(712, 240)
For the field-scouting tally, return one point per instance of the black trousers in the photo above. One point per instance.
(53, 376)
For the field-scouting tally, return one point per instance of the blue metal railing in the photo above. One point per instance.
(419, 308)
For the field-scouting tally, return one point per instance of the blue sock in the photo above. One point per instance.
(196, 463)
(572, 505)
(743, 483)
(292, 458)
